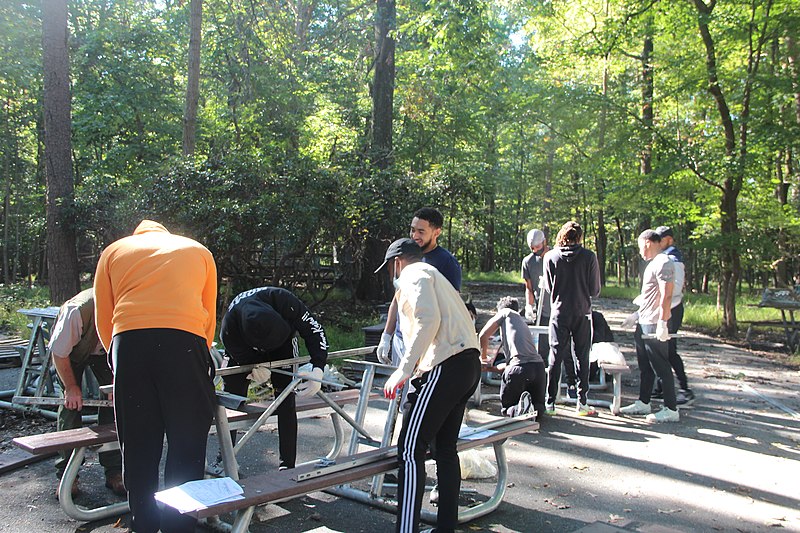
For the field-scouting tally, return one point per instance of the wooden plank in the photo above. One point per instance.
(96, 435)
(279, 485)
(17, 458)
(67, 439)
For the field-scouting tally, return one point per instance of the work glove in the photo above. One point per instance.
(395, 382)
(529, 312)
(662, 333)
(630, 320)
(309, 387)
(259, 374)
(383, 349)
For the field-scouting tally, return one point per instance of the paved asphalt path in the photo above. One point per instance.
(731, 464)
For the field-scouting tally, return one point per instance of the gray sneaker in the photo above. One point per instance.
(636, 408)
(664, 415)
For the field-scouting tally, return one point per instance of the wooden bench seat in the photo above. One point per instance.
(282, 485)
(70, 439)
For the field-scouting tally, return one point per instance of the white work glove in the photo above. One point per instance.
(662, 333)
(529, 313)
(630, 320)
(395, 382)
(383, 349)
(309, 387)
(260, 374)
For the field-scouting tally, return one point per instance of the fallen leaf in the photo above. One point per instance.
(669, 511)
(579, 467)
(614, 518)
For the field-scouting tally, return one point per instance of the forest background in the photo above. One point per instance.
(295, 138)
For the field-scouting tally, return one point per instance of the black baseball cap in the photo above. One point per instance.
(400, 247)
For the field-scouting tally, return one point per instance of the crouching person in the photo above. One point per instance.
(524, 381)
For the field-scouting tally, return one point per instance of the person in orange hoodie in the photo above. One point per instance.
(155, 309)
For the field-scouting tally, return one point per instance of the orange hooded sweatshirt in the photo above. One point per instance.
(154, 279)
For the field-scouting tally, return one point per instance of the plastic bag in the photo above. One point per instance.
(475, 465)
(606, 352)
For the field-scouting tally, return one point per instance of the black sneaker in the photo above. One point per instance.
(684, 397)
(658, 394)
(572, 392)
(524, 405)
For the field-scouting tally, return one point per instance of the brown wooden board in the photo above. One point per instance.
(16, 458)
(67, 439)
(278, 485)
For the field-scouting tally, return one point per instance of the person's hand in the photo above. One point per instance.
(309, 387)
(662, 332)
(383, 349)
(395, 382)
(630, 320)
(73, 398)
(529, 312)
(260, 374)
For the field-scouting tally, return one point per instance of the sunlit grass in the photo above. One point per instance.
(493, 277)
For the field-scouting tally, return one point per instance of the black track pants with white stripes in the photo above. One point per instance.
(432, 415)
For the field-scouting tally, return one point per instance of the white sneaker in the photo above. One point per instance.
(664, 415)
(582, 409)
(636, 408)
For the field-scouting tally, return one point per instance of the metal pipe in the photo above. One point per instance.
(65, 494)
(266, 414)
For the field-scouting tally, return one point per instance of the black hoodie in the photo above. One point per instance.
(572, 277)
(264, 319)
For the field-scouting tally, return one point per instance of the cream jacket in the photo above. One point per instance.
(436, 322)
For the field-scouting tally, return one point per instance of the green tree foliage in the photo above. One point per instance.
(507, 116)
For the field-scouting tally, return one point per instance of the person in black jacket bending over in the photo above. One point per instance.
(260, 326)
(572, 277)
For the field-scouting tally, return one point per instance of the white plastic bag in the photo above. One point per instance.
(475, 465)
(606, 352)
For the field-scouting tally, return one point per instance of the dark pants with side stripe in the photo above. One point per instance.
(162, 386)
(653, 358)
(432, 416)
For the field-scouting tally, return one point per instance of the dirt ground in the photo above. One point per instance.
(731, 464)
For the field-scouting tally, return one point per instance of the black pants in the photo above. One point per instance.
(517, 379)
(566, 332)
(653, 359)
(675, 361)
(432, 414)
(162, 386)
(287, 413)
(71, 419)
(543, 347)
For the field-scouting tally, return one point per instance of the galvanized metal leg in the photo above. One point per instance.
(361, 409)
(266, 414)
(616, 401)
(65, 494)
(225, 444)
(242, 521)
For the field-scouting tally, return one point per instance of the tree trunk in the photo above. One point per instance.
(646, 163)
(193, 77)
(383, 83)
(62, 256)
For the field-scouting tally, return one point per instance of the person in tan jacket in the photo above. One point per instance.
(441, 360)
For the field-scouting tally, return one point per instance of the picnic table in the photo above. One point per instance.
(787, 301)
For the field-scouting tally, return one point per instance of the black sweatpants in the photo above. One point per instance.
(566, 331)
(517, 379)
(162, 386)
(432, 415)
(287, 412)
(543, 347)
(653, 358)
(675, 361)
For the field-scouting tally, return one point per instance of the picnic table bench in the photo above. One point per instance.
(787, 301)
(279, 486)
(80, 439)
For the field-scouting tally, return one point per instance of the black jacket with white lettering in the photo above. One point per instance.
(264, 319)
